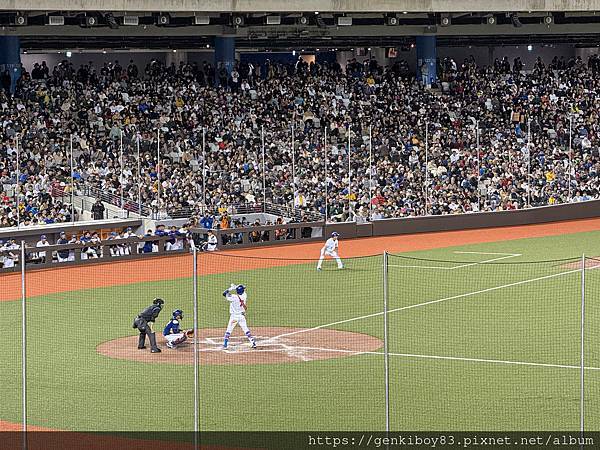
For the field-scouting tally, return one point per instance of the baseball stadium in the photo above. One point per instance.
(286, 225)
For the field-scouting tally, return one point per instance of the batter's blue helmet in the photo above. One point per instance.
(177, 312)
(335, 234)
(240, 289)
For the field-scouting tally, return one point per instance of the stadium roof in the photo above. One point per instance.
(340, 6)
(275, 24)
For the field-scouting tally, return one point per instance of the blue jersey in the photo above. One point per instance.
(172, 327)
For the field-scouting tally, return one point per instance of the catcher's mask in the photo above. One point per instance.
(178, 313)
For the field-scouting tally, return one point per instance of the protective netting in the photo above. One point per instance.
(11, 317)
(591, 381)
(483, 344)
(319, 335)
(475, 342)
(84, 369)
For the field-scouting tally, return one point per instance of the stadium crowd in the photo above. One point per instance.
(424, 141)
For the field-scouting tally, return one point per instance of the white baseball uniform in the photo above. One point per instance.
(211, 243)
(11, 256)
(237, 314)
(42, 243)
(237, 311)
(330, 249)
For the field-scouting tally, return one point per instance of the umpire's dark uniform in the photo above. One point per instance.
(144, 321)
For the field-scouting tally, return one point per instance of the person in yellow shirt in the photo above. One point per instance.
(225, 221)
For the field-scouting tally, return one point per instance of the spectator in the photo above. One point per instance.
(98, 210)
(206, 222)
(48, 106)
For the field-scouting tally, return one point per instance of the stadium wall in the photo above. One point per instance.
(543, 214)
(407, 225)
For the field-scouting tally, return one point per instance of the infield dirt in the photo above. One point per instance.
(275, 345)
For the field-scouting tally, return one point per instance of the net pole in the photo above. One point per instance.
(528, 163)
(264, 177)
(122, 174)
(478, 167)
(582, 356)
(196, 341)
(23, 347)
(386, 342)
(139, 171)
(204, 167)
(325, 161)
(72, 181)
(570, 154)
(17, 185)
(370, 172)
(426, 168)
(158, 169)
(293, 163)
(349, 178)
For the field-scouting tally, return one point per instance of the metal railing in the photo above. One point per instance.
(128, 205)
(261, 235)
(93, 252)
(296, 214)
(287, 212)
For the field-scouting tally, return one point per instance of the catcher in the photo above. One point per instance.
(173, 333)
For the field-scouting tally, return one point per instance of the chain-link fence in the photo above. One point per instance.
(384, 343)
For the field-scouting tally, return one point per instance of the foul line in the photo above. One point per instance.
(505, 256)
(418, 305)
(453, 358)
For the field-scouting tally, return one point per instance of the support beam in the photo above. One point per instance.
(10, 59)
(224, 55)
(426, 59)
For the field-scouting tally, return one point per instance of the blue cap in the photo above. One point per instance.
(43, 236)
(335, 234)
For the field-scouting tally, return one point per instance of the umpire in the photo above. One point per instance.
(144, 321)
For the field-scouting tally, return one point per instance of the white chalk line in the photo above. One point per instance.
(486, 253)
(418, 305)
(296, 351)
(505, 256)
(452, 358)
(239, 346)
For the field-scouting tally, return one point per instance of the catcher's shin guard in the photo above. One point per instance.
(152, 339)
(180, 340)
(142, 341)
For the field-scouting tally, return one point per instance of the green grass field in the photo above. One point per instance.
(492, 346)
